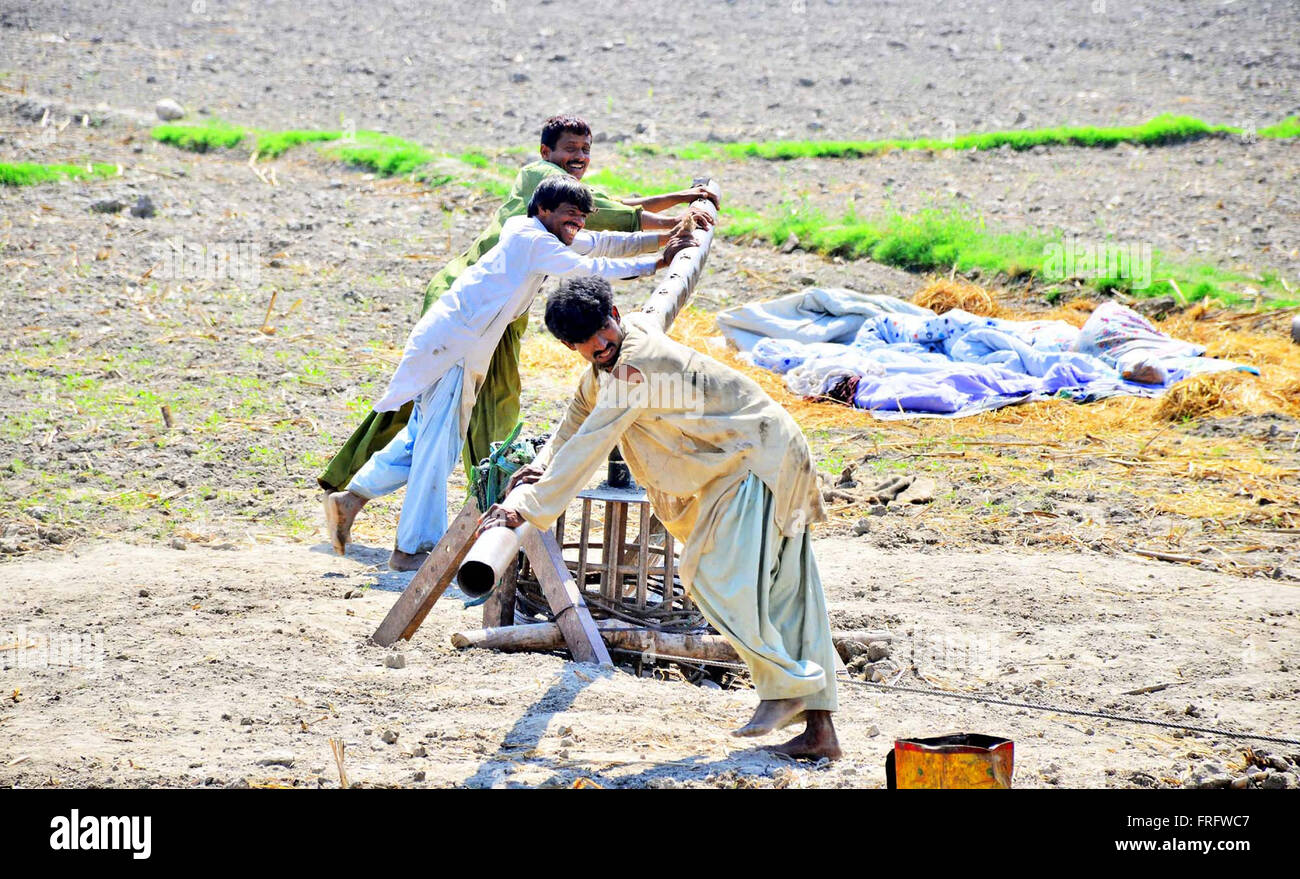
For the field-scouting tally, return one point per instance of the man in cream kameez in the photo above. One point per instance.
(727, 471)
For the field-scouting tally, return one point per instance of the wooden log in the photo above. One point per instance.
(541, 637)
(428, 584)
(530, 637)
(565, 599)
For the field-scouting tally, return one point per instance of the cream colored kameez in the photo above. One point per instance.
(729, 473)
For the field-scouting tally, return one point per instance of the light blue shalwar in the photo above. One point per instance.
(763, 592)
(421, 457)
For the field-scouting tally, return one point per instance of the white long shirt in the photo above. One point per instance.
(466, 323)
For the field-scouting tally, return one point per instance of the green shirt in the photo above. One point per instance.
(610, 216)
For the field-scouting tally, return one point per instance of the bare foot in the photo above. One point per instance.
(816, 742)
(1145, 373)
(771, 715)
(341, 508)
(406, 561)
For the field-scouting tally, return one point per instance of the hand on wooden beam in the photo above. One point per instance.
(673, 291)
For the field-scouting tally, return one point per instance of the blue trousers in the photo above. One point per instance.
(421, 457)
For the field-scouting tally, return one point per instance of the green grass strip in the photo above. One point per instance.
(382, 153)
(1160, 131)
(618, 178)
(272, 144)
(937, 240)
(215, 135)
(31, 173)
(200, 138)
(1285, 128)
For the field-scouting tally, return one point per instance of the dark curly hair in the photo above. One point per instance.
(579, 308)
(560, 189)
(555, 126)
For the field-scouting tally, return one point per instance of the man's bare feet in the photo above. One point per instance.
(816, 742)
(771, 715)
(341, 508)
(406, 561)
(1145, 373)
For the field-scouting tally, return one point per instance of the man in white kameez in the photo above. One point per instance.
(727, 471)
(448, 352)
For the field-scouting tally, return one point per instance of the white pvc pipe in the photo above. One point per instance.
(487, 561)
(679, 281)
(490, 556)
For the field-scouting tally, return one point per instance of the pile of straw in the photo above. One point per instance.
(1217, 392)
(945, 294)
(543, 354)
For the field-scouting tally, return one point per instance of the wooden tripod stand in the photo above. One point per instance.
(435, 575)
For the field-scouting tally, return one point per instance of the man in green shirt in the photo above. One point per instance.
(565, 149)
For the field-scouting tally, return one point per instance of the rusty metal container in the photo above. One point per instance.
(961, 761)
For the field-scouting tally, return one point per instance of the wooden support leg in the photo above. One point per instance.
(428, 584)
(648, 533)
(643, 557)
(615, 538)
(583, 540)
(669, 559)
(565, 599)
(499, 609)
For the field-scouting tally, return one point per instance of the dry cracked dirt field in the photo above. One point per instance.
(203, 634)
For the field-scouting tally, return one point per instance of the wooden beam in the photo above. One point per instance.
(565, 598)
(428, 584)
(643, 557)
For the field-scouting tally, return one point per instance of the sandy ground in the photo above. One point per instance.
(233, 668)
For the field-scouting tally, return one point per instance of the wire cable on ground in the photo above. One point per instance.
(1078, 712)
(992, 700)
